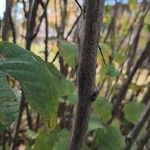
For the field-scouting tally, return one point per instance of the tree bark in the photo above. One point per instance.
(89, 38)
(7, 15)
(31, 22)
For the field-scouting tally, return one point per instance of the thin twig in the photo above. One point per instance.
(4, 140)
(31, 22)
(24, 9)
(78, 5)
(124, 88)
(55, 57)
(46, 37)
(13, 146)
(131, 137)
(130, 30)
(12, 25)
(55, 6)
(102, 55)
(75, 23)
(37, 124)
(41, 19)
(145, 137)
(29, 117)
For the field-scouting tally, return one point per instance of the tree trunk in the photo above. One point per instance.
(7, 15)
(88, 43)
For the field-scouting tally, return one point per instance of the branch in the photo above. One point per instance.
(24, 9)
(46, 37)
(124, 88)
(63, 14)
(78, 5)
(41, 18)
(130, 30)
(12, 25)
(88, 44)
(55, 6)
(147, 95)
(145, 137)
(31, 22)
(6, 26)
(76, 21)
(102, 55)
(55, 57)
(137, 128)
(112, 23)
(22, 104)
(133, 49)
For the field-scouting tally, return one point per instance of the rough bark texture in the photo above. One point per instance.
(89, 37)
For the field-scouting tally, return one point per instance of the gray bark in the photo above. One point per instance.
(89, 38)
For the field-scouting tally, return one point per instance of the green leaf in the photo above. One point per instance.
(8, 114)
(66, 88)
(45, 141)
(9, 106)
(116, 123)
(56, 73)
(132, 2)
(55, 140)
(69, 52)
(7, 147)
(111, 71)
(63, 86)
(73, 98)
(102, 109)
(118, 57)
(95, 124)
(107, 9)
(6, 93)
(36, 80)
(62, 143)
(148, 27)
(31, 135)
(132, 111)
(109, 139)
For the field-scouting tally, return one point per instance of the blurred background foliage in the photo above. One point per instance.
(50, 29)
